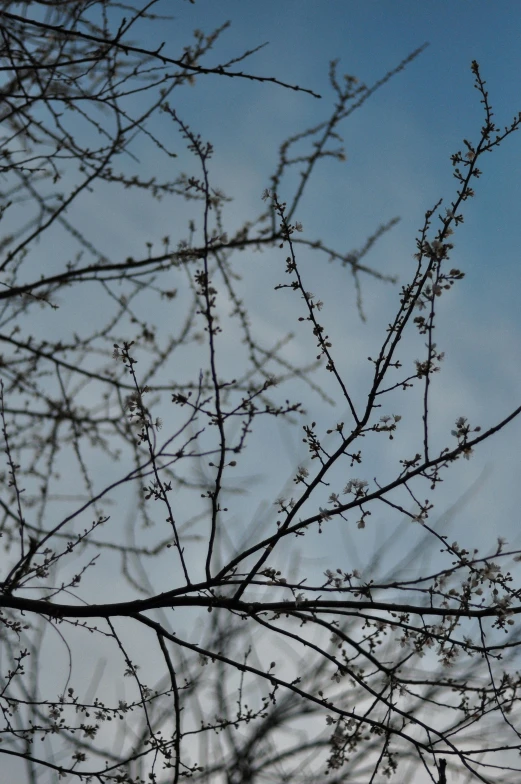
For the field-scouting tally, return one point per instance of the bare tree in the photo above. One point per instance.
(160, 617)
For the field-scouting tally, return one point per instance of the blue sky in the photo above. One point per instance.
(398, 163)
(398, 148)
(399, 144)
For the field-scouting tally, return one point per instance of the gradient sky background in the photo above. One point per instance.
(398, 163)
(398, 149)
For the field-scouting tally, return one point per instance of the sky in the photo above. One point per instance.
(398, 148)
